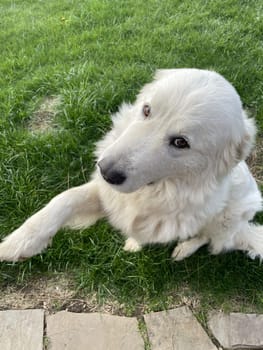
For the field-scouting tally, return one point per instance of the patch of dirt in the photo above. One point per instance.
(42, 118)
(255, 161)
(54, 294)
(47, 293)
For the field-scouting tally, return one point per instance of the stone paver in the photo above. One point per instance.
(68, 331)
(176, 329)
(237, 330)
(21, 330)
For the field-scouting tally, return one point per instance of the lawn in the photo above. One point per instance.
(89, 56)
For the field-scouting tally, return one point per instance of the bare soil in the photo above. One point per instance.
(42, 119)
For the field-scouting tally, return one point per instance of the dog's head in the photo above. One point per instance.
(186, 124)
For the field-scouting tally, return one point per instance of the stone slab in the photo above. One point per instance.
(68, 331)
(176, 329)
(237, 330)
(21, 329)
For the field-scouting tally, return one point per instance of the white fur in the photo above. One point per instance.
(200, 195)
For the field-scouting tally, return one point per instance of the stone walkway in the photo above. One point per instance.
(176, 329)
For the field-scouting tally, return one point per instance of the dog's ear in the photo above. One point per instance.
(234, 152)
(248, 140)
(159, 74)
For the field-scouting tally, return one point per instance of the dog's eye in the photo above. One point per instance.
(179, 142)
(146, 110)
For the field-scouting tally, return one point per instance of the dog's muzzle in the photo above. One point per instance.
(109, 174)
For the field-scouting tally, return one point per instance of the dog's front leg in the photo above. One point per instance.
(67, 209)
(131, 245)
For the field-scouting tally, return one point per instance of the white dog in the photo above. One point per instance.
(171, 168)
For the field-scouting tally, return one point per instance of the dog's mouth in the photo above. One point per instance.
(150, 183)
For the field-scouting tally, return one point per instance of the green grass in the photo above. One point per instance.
(94, 55)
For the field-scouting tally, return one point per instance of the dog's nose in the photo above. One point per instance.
(109, 174)
(114, 177)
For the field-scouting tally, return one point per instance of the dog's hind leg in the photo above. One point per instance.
(187, 248)
(66, 209)
(250, 240)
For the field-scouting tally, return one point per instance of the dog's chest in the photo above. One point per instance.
(148, 217)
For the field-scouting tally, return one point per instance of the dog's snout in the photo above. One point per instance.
(109, 174)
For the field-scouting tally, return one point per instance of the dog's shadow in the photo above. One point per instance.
(230, 274)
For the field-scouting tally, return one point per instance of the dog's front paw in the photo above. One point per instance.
(22, 244)
(182, 251)
(131, 245)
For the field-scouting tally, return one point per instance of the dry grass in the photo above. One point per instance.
(54, 294)
(41, 293)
